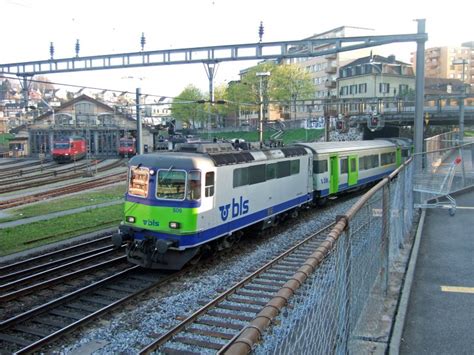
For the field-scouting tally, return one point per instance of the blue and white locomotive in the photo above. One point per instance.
(202, 195)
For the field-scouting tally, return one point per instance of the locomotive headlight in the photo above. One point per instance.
(152, 172)
(175, 225)
(66, 153)
(130, 219)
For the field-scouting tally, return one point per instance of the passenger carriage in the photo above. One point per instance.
(179, 201)
(344, 166)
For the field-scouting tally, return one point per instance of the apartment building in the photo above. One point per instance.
(449, 62)
(324, 69)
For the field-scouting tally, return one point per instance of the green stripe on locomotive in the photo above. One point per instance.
(157, 218)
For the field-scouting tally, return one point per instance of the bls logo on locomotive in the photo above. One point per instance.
(239, 208)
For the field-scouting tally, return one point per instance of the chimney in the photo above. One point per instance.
(391, 58)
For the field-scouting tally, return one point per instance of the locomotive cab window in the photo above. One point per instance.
(138, 181)
(171, 184)
(61, 145)
(194, 185)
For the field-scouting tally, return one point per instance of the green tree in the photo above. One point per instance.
(291, 83)
(185, 108)
(286, 84)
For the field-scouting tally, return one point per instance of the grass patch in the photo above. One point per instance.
(469, 133)
(289, 136)
(35, 234)
(67, 203)
(5, 138)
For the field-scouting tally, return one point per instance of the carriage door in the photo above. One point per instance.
(334, 174)
(399, 156)
(353, 171)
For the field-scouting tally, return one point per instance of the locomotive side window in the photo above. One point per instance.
(138, 182)
(209, 184)
(194, 185)
(171, 184)
(241, 177)
(295, 167)
(270, 171)
(256, 174)
(283, 169)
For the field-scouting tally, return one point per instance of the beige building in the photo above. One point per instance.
(378, 81)
(439, 62)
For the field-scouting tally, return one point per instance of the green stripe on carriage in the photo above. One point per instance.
(157, 218)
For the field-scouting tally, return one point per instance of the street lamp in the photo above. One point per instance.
(260, 120)
(462, 62)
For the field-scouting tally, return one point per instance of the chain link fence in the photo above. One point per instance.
(323, 314)
(327, 313)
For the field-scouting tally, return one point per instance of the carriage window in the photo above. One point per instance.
(344, 166)
(387, 158)
(320, 166)
(295, 167)
(209, 184)
(271, 171)
(256, 174)
(375, 160)
(283, 169)
(241, 177)
(194, 185)
(138, 181)
(171, 184)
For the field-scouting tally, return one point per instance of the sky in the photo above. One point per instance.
(107, 27)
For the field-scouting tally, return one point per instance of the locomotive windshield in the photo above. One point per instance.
(138, 182)
(126, 143)
(61, 145)
(171, 184)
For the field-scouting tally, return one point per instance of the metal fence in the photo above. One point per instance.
(330, 291)
(448, 166)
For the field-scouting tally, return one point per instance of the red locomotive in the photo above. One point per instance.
(127, 147)
(69, 149)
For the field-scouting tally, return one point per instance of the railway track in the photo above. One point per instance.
(46, 170)
(34, 182)
(102, 181)
(31, 330)
(213, 327)
(8, 165)
(43, 261)
(29, 290)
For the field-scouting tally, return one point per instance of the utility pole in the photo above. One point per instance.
(419, 95)
(260, 118)
(139, 123)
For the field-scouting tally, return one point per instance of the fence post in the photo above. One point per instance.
(344, 285)
(385, 235)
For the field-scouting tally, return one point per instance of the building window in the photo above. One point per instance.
(362, 88)
(384, 88)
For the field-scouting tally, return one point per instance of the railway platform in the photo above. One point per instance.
(436, 308)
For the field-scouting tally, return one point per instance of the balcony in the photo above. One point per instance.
(330, 69)
(330, 84)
